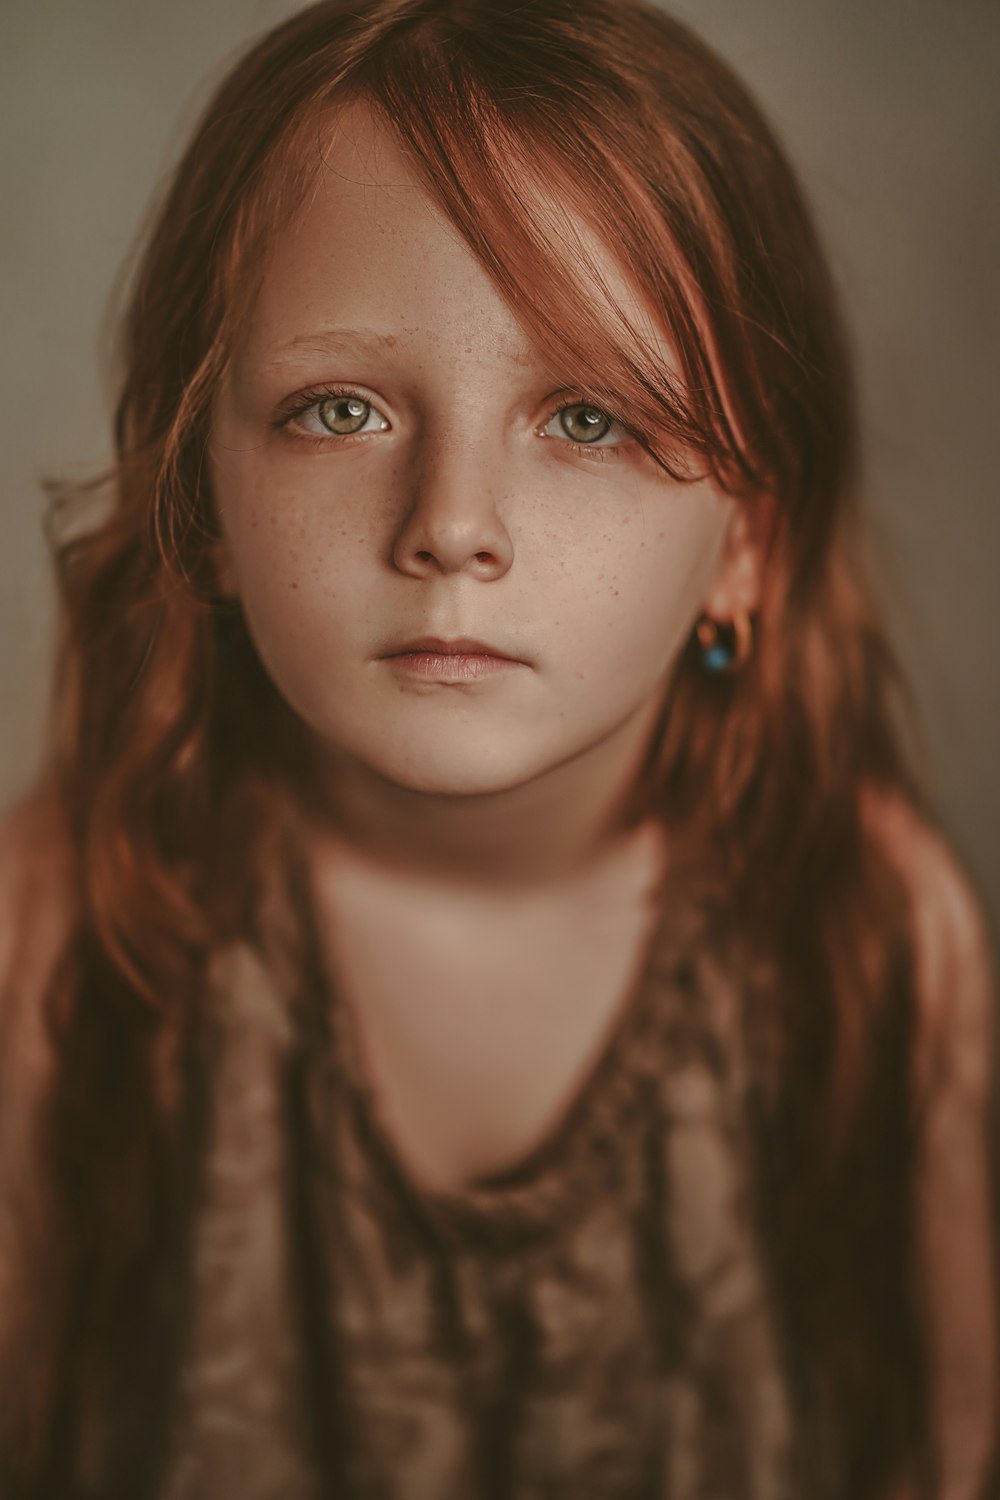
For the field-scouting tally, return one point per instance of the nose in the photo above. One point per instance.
(453, 525)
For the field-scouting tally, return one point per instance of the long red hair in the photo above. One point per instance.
(171, 741)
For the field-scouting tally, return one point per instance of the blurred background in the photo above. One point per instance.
(891, 112)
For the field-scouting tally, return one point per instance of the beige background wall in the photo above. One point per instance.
(889, 107)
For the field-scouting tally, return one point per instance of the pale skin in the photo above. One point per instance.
(480, 823)
(459, 518)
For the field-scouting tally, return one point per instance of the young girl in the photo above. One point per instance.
(485, 1010)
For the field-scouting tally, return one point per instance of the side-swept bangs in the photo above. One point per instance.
(528, 123)
(527, 134)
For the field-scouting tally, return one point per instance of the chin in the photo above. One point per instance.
(438, 779)
(455, 768)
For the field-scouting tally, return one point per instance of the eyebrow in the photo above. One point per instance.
(353, 341)
(334, 341)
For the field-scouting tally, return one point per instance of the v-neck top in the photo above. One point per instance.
(594, 1322)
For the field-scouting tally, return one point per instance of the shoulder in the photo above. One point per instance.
(953, 954)
(35, 879)
(35, 914)
(34, 924)
(955, 1073)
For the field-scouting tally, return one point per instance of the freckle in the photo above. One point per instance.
(293, 584)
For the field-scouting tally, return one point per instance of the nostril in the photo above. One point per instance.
(424, 556)
(484, 557)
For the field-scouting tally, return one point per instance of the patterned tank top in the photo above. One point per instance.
(595, 1322)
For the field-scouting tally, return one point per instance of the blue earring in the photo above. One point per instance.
(725, 646)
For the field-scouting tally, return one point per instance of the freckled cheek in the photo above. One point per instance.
(304, 603)
(299, 537)
(632, 597)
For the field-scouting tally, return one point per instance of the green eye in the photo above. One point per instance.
(585, 424)
(343, 415)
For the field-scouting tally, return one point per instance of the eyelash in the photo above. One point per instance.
(298, 405)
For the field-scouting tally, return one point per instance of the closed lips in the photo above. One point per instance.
(460, 647)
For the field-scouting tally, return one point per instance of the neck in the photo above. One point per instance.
(550, 830)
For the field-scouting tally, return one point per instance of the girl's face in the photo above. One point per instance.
(391, 460)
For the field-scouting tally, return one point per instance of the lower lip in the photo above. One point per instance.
(448, 668)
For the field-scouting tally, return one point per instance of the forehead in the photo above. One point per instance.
(371, 247)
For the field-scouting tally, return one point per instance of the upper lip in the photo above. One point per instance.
(461, 646)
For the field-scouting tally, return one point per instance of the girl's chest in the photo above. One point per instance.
(475, 1016)
(475, 1034)
(594, 1325)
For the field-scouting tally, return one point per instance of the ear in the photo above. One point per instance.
(738, 580)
